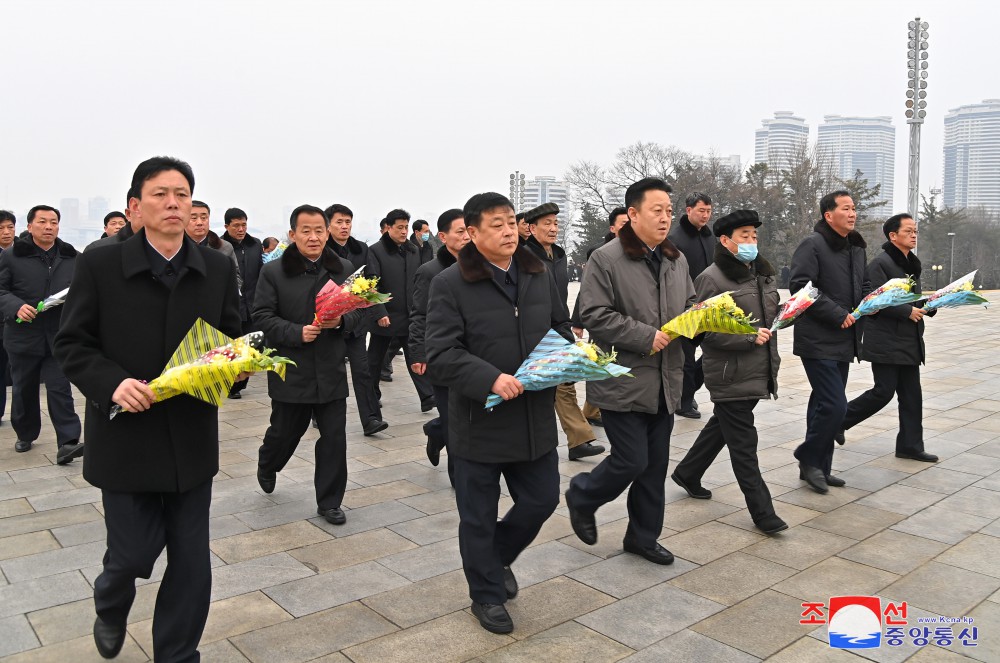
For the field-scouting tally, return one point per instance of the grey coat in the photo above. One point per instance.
(735, 368)
(622, 306)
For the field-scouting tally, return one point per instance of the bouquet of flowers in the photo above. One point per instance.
(555, 361)
(51, 302)
(276, 253)
(206, 363)
(718, 314)
(891, 293)
(959, 293)
(795, 306)
(333, 300)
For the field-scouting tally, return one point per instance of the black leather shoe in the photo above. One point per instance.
(493, 617)
(836, 482)
(235, 396)
(109, 639)
(814, 477)
(657, 554)
(22, 445)
(694, 491)
(509, 582)
(584, 450)
(385, 377)
(689, 413)
(333, 516)
(428, 406)
(266, 480)
(920, 455)
(584, 525)
(68, 452)
(839, 437)
(771, 524)
(375, 426)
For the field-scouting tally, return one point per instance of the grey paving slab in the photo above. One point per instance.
(855, 521)
(546, 561)
(24, 597)
(942, 524)
(373, 517)
(568, 642)
(761, 625)
(624, 575)
(423, 600)
(452, 638)
(53, 561)
(429, 529)
(255, 574)
(901, 499)
(800, 547)
(975, 501)
(75, 535)
(16, 635)
(944, 589)
(689, 647)
(327, 590)
(426, 561)
(730, 579)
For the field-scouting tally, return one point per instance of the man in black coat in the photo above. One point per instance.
(249, 254)
(486, 313)
(453, 236)
(692, 237)
(317, 385)
(30, 271)
(154, 462)
(394, 261)
(893, 342)
(421, 238)
(826, 336)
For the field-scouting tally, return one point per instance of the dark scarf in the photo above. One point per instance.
(475, 267)
(26, 247)
(391, 247)
(836, 242)
(444, 257)
(734, 270)
(909, 263)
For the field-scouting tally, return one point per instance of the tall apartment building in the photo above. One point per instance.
(780, 140)
(868, 144)
(972, 156)
(545, 189)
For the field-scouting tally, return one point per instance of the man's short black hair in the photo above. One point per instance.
(637, 190)
(383, 223)
(198, 203)
(337, 208)
(828, 203)
(6, 215)
(420, 223)
(234, 213)
(893, 223)
(129, 195)
(153, 167)
(305, 209)
(395, 216)
(447, 218)
(484, 202)
(42, 208)
(615, 213)
(520, 216)
(113, 215)
(269, 242)
(697, 197)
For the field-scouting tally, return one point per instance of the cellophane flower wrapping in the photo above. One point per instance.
(276, 253)
(555, 361)
(795, 306)
(356, 292)
(959, 293)
(206, 363)
(891, 293)
(52, 301)
(718, 314)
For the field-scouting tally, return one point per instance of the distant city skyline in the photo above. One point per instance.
(972, 156)
(866, 144)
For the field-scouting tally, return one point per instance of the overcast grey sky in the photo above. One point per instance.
(385, 104)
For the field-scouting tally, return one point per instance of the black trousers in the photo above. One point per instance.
(694, 377)
(289, 422)
(731, 425)
(825, 414)
(4, 379)
(487, 545)
(27, 373)
(640, 452)
(437, 428)
(904, 383)
(139, 526)
(240, 385)
(390, 354)
(361, 380)
(378, 347)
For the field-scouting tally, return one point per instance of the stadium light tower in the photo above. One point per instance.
(517, 190)
(916, 103)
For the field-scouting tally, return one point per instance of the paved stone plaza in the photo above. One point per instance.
(388, 585)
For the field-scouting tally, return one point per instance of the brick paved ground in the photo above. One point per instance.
(388, 586)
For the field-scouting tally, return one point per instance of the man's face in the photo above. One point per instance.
(699, 214)
(165, 204)
(269, 246)
(424, 230)
(198, 228)
(843, 217)
(340, 227)
(741, 235)
(906, 236)
(546, 230)
(652, 218)
(397, 231)
(456, 237)
(618, 223)
(6, 233)
(114, 225)
(237, 229)
(309, 235)
(523, 229)
(44, 228)
(496, 235)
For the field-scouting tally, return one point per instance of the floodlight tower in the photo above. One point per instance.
(916, 103)
(517, 190)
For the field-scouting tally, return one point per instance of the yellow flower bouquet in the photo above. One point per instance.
(718, 314)
(357, 292)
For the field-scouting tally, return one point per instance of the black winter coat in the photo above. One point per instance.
(836, 267)
(698, 246)
(354, 251)
(475, 333)
(557, 264)
(286, 302)
(173, 446)
(395, 266)
(249, 259)
(25, 278)
(425, 250)
(890, 337)
(421, 295)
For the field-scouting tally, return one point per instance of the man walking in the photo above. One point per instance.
(485, 314)
(740, 369)
(421, 238)
(826, 337)
(893, 342)
(631, 287)
(7, 234)
(249, 254)
(199, 229)
(31, 270)
(155, 462)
